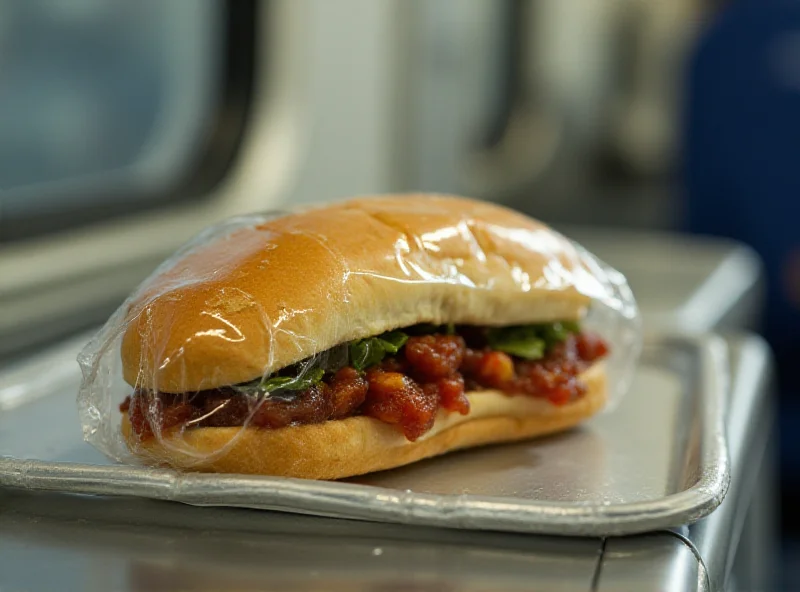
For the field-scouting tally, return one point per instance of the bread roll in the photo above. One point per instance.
(268, 296)
(263, 297)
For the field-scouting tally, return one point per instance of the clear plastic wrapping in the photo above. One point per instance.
(251, 323)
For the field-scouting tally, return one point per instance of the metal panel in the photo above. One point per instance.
(125, 544)
(654, 562)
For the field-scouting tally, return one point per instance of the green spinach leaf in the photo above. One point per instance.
(530, 342)
(524, 341)
(365, 353)
(302, 382)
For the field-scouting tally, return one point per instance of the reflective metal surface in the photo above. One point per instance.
(656, 562)
(145, 545)
(658, 460)
(95, 544)
(739, 538)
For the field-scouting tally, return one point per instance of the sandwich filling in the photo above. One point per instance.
(402, 378)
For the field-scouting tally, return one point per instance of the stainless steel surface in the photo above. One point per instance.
(746, 521)
(659, 561)
(95, 544)
(734, 546)
(134, 544)
(658, 460)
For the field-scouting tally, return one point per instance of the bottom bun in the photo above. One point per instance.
(357, 445)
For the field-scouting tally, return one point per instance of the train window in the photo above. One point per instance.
(109, 107)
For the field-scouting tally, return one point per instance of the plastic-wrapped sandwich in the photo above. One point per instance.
(356, 337)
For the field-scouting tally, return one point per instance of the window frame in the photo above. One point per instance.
(208, 167)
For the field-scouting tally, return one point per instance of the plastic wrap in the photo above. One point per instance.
(481, 256)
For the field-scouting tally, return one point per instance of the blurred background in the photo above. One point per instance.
(665, 135)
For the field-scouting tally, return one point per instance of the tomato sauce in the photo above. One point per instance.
(407, 390)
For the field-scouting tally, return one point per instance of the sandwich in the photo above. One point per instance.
(358, 337)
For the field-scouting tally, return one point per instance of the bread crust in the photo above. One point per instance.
(358, 445)
(267, 296)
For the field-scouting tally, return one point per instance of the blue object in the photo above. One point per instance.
(742, 165)
(742, 143)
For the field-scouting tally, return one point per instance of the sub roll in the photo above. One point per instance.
(358, 337)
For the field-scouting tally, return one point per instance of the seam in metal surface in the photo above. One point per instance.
(691, 546)
(599, 566)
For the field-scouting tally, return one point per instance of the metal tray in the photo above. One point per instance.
(658, 460)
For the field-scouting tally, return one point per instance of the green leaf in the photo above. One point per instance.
(553, 333)
(571, 326)
(531, 349)
(365, 353)
(530, 342)
(523, 342)
(284, 383)
(557, 332)
(293, 383)
(393, 341)
(276, 382)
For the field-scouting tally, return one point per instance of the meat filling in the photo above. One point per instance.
(405, 389)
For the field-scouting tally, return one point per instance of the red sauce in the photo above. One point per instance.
(433, 357)
(398, 399)
(407, 390)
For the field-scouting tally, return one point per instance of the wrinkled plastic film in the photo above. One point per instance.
(103, 387)
(613, 314)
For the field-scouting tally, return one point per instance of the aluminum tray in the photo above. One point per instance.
(659, 460)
